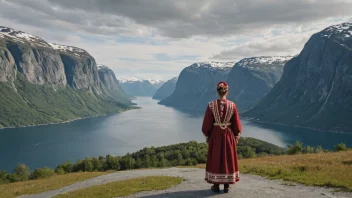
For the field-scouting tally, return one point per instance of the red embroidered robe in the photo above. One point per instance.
(221, 124)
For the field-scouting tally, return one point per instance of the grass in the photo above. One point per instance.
(124, 188)
(42, 185)
(325, 169)
(35, 104)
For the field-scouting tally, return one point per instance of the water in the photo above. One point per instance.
(152, 125)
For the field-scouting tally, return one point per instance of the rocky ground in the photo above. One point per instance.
(194, 186)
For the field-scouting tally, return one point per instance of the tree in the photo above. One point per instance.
(97, 165)
(66, 167)
(154, 161)
(296, 149)
(3, 177)
(20, 173)
(112, 163)
(87, 165)
(308, 149)
(318, 149)
(41, 173)
(340, 147)
(78, 166)
(146, 161)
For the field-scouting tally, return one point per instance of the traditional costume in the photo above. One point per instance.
(222, 128)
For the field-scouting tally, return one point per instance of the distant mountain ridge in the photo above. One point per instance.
(44, 83)
(138, 87)
(252, 78)
(196, 85)
(249, 80)
(316, 86)
(166, 89)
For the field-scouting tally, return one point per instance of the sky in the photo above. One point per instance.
(156, 39)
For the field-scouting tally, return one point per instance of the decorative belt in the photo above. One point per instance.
(222, 125)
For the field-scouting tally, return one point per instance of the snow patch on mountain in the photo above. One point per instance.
(129, 80)
(100, 66)
(263, 60)
(343, 29)
(217, 65)
(69, 49)
(22, 37)
(156, 82)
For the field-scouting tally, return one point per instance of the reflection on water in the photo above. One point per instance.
(152, 125)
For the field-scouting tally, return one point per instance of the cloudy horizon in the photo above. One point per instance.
(156, 39)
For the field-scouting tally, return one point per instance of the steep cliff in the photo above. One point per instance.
(196, 85)
(7, 66)
(36, 87)
(166, 89)
(316, 86)
(34, 57)
(80, 68)
(112, 85)
(252, 78)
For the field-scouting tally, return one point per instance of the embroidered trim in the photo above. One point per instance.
(214, 177)
(229, 112)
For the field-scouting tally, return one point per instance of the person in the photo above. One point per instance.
(222, 129)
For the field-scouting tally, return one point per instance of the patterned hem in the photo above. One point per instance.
(215, 178)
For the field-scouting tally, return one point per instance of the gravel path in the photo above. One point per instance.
(194, 186)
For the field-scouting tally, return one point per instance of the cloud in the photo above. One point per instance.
(287, 45)
(176, 19)
(158, 38)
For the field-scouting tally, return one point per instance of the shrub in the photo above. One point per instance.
(319, 149)
(296, 149)
(3, 177)
(308, 149)
(20, 173)
(60, 171)
(41, 173)
(340, 147)
(66, 167)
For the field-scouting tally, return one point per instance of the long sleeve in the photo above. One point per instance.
(208, 122)
(236, 122)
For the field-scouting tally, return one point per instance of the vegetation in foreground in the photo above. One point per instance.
(126, 187)
(333, 169)
(184, 154)
(330, 169)
(42, 185)
(193, 153)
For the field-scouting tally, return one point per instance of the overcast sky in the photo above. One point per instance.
(157, 38)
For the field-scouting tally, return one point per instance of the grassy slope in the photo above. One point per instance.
(124, 188)
(42, 185)
(33, 104)
(324, 169)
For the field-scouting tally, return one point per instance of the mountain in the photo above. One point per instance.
(44, 83)
(34, 58)
(316, 86)
(166, 89)
(252, 78)
(137, 87)
(114, 89)
(196, 85)
(156, 83)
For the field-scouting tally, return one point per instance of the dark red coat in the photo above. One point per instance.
(222, 162)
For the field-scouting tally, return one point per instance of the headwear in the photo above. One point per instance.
(222, 85)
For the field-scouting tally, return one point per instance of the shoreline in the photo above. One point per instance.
(295, 126)
(197, 111)
(68, 121)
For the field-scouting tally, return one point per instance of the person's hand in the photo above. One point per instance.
(237, 137)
